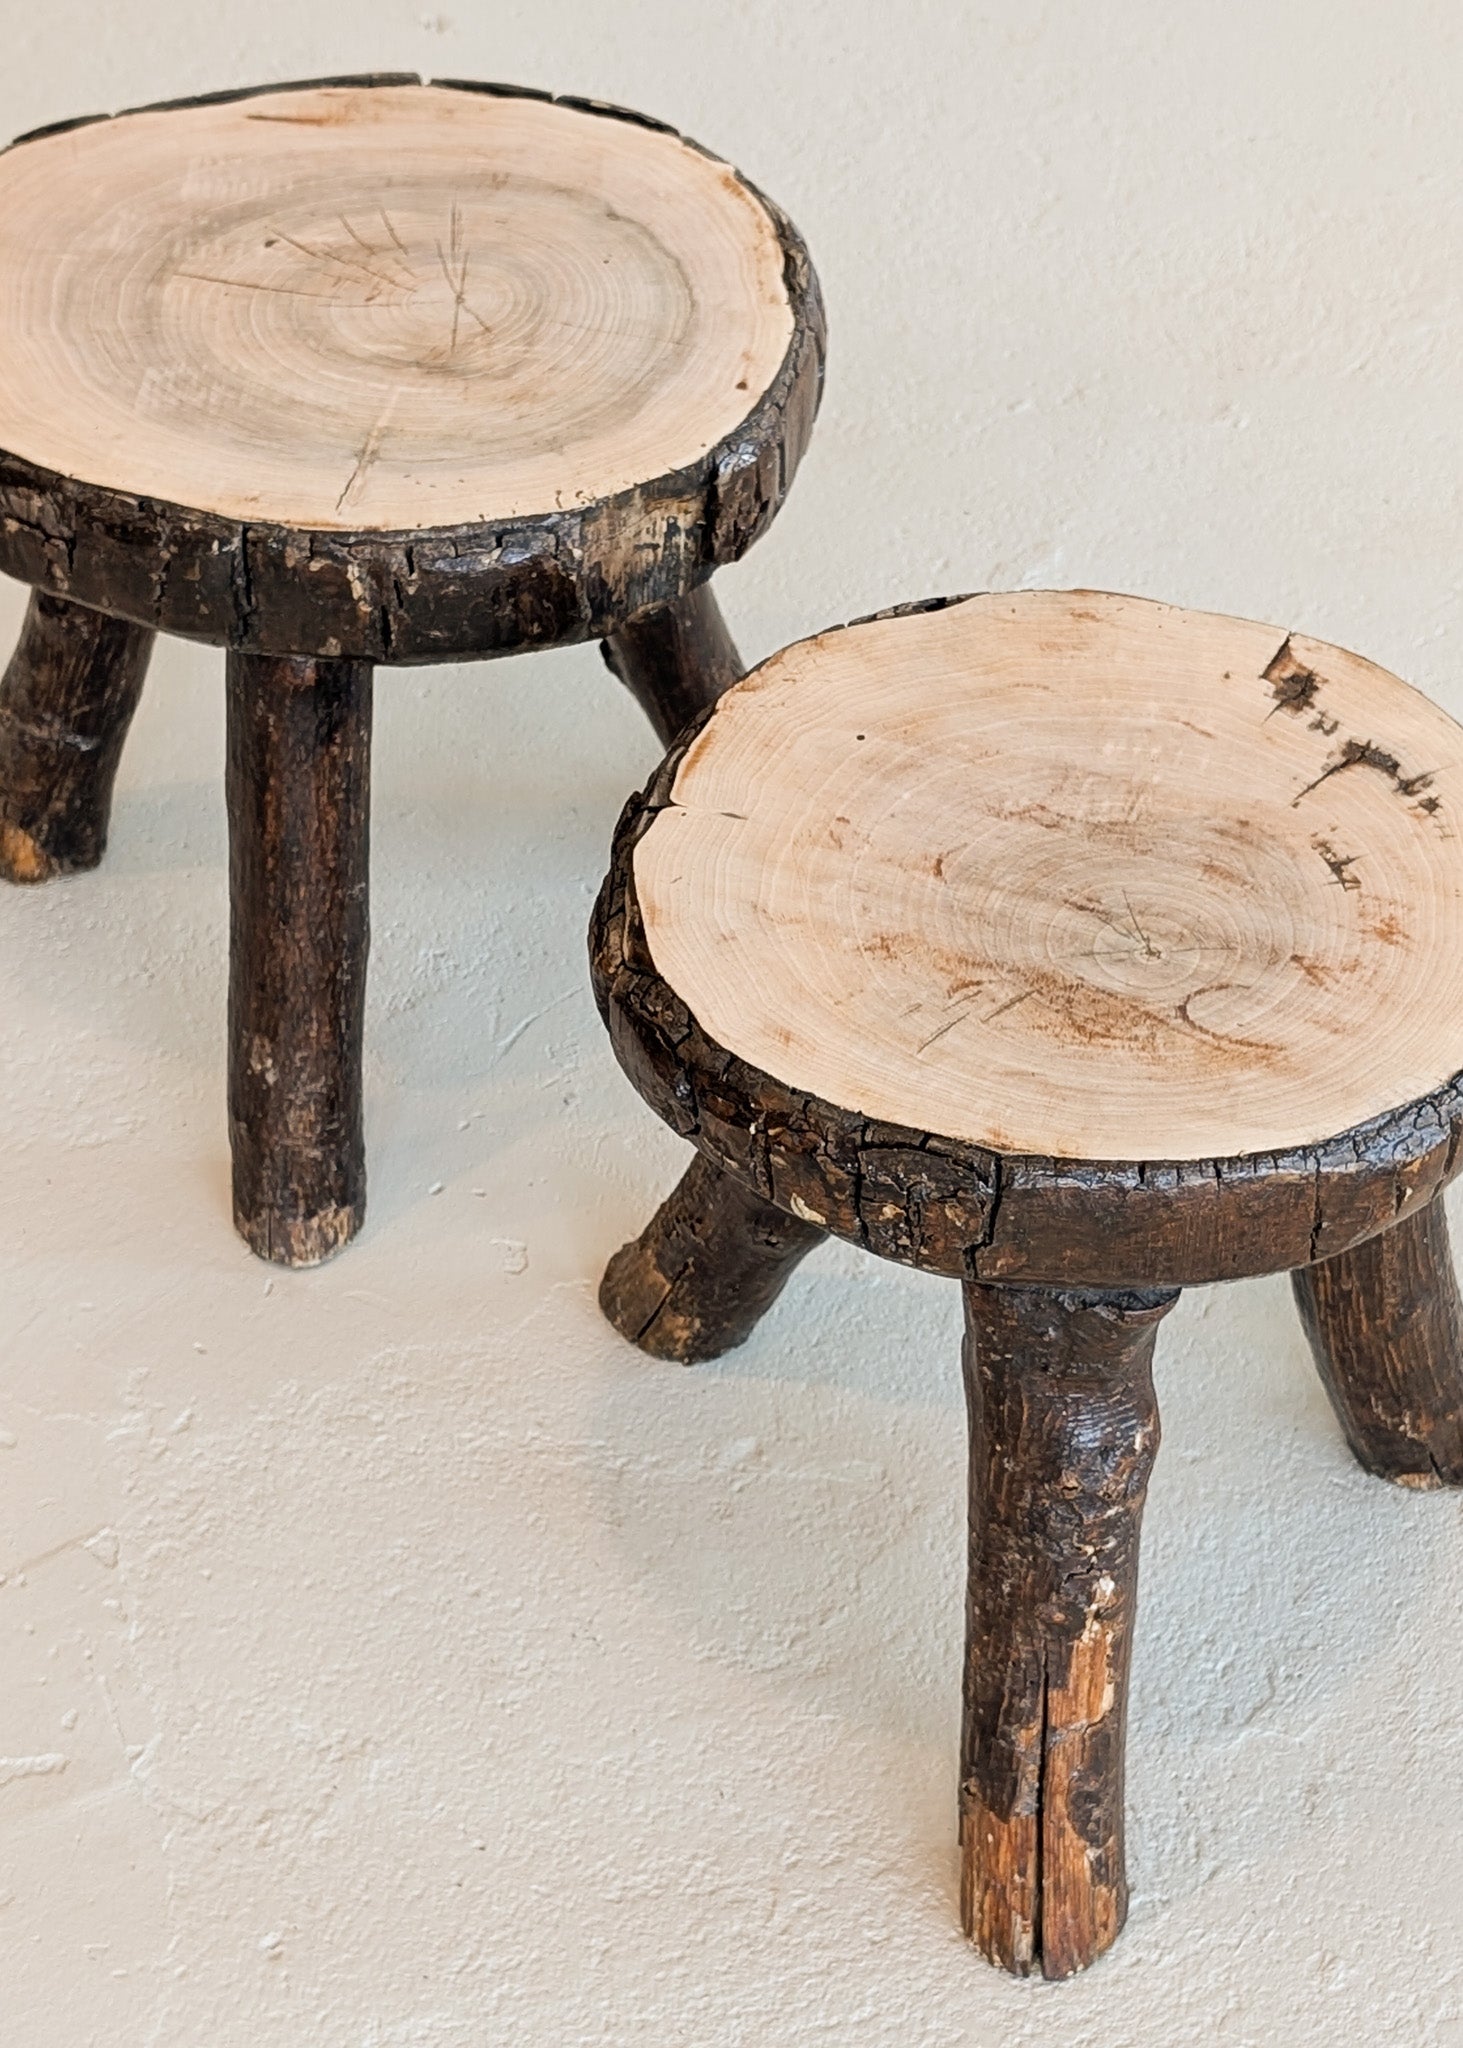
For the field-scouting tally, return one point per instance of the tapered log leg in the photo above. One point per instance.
(706, 1268)
(675, 659)
(1386, 1329)
(66, 702)
(298, 785)
(1063, 1432)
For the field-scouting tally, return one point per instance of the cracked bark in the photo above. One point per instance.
(706, 1268)
(1385, 1324)
(66, 702)
(1063, 1433)
(297, 781)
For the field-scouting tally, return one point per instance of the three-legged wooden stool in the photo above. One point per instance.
(353, 373)
(1081, 949)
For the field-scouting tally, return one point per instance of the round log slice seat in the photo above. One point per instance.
(1079, 948)
(355, 372)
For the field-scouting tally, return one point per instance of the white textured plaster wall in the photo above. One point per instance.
(393, 1658)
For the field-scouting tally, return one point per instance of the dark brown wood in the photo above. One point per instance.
(675, 660)
(1063, 1433)
(442, 594)
(66, 702)
(298, 790)
(1386, 1327)
(706, 1268)
(962, 1210)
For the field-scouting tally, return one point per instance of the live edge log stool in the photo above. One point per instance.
(1081, 949)
(358, 372)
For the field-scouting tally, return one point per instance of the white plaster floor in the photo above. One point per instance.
(392, 1657)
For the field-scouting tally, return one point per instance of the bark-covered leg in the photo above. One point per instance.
(706, 1268)
(1063, 1431)
(675, 659)
(66, 702)
(1386, 1328)
(298, 775)
(714, 1257)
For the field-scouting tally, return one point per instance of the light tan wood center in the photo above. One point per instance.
(1073, 874)
(379, 307)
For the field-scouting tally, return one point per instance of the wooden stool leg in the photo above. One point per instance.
(675, 659)
(1386, 1328)
(1063, 1432)
(706, 1268)
(298, 784)
(714, 1257)
(66, 702)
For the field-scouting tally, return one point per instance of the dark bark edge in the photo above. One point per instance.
(974, 1214)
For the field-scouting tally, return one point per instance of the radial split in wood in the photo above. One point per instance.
(1386, 1329)
(66, 702)
(1063, 1433)
(298, 786)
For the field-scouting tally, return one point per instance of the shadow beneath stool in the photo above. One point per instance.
(796, 1512)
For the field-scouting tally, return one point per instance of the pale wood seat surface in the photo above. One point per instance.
(391, 370)
(383, 307)
(1072, 874)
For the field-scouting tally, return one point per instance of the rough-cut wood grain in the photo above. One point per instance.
(1063, 1433)
(298, 788)
(518, 442)
(1386, 1327)
(66, 702)
(1072, 874)
(676, 660)
(969, 1211)
(706, 1268)
(380, 307)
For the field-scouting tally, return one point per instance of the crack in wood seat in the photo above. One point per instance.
(352, 372)
(1080, 948)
